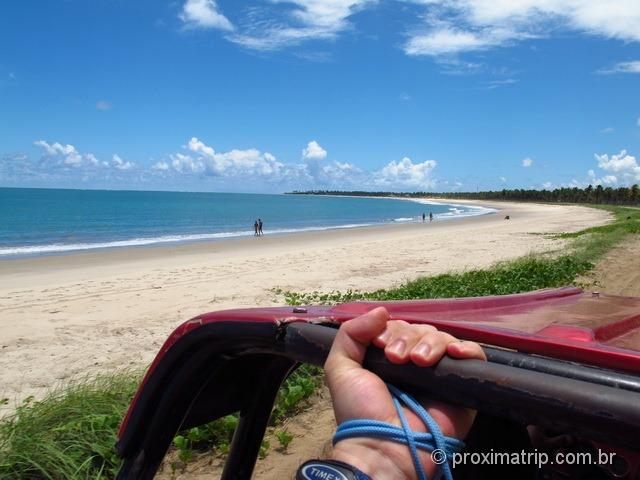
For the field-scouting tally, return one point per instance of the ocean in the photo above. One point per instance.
(51, 221)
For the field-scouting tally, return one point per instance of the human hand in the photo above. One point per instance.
(359, 393)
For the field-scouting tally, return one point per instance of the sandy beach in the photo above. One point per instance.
(70, 315)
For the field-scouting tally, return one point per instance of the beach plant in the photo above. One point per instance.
(299, 386)
(522, 275)
(69, 434)
(284, 438)
(264, 449)
(525, 274)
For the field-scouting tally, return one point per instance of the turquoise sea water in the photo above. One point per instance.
(44, 221)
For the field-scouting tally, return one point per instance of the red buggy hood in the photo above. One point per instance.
(565, 323)
(558, 357)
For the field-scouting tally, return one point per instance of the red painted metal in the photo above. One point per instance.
(564, 323)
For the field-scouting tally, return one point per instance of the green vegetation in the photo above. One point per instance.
(284, 438)
(70, 434)
(526, 274)
(521, 275)
(217, 435)
(597, 195)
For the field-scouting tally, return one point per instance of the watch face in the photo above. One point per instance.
(321, 471)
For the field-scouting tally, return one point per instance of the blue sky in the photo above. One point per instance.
(274, 95)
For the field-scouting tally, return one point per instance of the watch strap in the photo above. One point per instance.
(329, 470)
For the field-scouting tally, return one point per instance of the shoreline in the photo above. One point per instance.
(82, 258)
(169, 240)
(70, 315)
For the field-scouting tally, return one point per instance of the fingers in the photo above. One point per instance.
(353, 338)
(466, 350)
(402, 342)
(424, 345)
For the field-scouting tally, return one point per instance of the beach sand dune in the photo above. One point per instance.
(64, 316)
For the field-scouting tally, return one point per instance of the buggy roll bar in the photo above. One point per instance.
(559, 401)
(223, 367)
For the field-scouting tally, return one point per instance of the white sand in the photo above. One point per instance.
(64, 316)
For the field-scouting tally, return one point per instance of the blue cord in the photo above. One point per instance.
(434, 440)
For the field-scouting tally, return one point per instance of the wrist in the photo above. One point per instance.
(381, 459)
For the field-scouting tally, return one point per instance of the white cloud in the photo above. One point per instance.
(234, 169)
(622, 67)
(91, 158)
(186, 164)
(457, 26)
(160, 166)
(492, 84)
(198, 146)
(204, 14)
(527, 162)
(619, 169)
(608, 130)
(547, 185)
(121, 164)
(313, 151)
(445, 27)
(338, 172)
(313, 172)
(70, 156)
(234, 162)
(624, 166)
(607, 180)
(103, 105)
(61, 160)
(503, 179)
(449, 40)
(405, 173)
(308, 20)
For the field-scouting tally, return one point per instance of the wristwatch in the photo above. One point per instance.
(329, 470)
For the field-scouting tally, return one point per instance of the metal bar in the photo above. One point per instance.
(586, 409)
(253, 422)
(563, 368)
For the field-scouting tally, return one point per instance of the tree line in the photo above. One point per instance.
(590, 194)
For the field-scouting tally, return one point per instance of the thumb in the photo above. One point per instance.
(353, 338)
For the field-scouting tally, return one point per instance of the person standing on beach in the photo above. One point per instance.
(431, 216)
(255, 228)
(260, 227)
(423, 217)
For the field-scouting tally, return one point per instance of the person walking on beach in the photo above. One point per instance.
(255, 228)
(260, 227)
(430, 216)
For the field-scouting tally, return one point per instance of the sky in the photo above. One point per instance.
(274, 95)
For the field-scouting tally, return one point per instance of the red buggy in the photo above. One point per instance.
(562, 360)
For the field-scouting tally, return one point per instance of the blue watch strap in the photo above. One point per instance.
(329, 470)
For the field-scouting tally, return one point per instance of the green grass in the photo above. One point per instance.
(594, 242)
(521, 275)
(70, 434)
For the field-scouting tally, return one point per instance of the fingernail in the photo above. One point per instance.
(422, 350)
(398, 347)
(384, 336)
